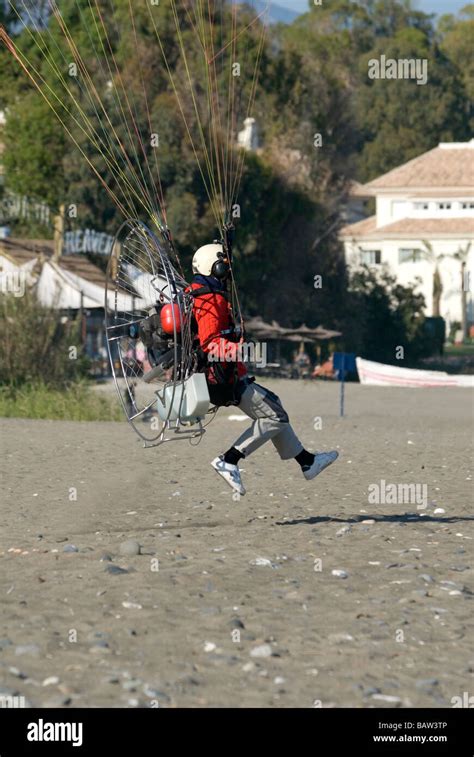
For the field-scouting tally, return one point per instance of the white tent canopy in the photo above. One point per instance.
(14, 278)
(62, 290)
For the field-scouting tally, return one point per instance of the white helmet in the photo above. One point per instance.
(205, 258)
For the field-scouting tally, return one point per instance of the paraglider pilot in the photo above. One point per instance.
(229, 382)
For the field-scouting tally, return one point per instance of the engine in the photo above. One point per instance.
(160, 345)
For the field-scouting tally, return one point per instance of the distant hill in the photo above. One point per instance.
(277, 13)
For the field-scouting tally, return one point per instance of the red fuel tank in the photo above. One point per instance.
(167, 318)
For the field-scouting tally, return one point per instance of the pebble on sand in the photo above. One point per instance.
(131, 685)
(130, 548)
(263, 561)
(426, 683)
(51, 681)
(339, 573)
(17, 673)
(115, 570)
(131, 606)
(57, 701)
(236, 623)
(100, 647)
(27, 649)
(343, 530)
(386, 698)
(153, 693)
(338, 638)
(427, 578)
(264, 650)
(70, 548)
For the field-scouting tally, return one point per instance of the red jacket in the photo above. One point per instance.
(213, 315)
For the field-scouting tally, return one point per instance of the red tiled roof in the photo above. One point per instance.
(415, 226)
(360, 228)
(443, 166)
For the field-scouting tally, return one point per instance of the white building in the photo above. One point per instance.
(425, 203)
(248, 137)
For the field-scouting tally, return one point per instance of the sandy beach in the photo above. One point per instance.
(235, 604)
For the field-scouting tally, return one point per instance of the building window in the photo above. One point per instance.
(409, 255)
(467, 205)
(421, 206)
(370, 257)
(399, 208)
(444, 206)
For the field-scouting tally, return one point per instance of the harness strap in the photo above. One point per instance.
(208, 290)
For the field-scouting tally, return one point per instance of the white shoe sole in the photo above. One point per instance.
(331, 458)
(227, 478)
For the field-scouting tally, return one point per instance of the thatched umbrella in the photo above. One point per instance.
(259, 328)
(317, 334)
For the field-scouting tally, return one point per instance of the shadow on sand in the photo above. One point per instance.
(398, 518)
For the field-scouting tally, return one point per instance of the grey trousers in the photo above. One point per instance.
(270, 422)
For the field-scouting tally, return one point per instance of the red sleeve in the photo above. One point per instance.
(211, 313)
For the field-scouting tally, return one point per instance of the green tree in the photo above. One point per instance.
(401, 119)
(456, 35)
(313, 80)
(382, 315)
(34, 149)
(35, 346)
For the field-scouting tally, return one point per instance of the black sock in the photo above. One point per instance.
(232, 456)
(305, 458)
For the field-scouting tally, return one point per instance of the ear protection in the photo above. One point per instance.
(221, 268)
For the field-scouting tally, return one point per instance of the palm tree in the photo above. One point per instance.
(462, 254)
(435, 259)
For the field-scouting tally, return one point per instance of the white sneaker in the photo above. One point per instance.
(321, 461)
(230, 473)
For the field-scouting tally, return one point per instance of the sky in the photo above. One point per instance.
(428, 6)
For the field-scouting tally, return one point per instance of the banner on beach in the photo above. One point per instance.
(87, 240)
(380, 374)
